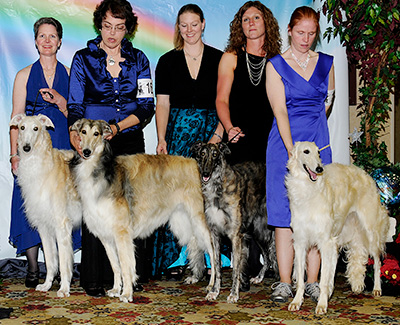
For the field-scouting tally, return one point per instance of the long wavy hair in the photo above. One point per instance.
(189, 8)
(237, 39)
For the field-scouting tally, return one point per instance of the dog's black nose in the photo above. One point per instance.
(27, 147)
(87, 152)
(319, 170)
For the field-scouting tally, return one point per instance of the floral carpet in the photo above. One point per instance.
(169, 302)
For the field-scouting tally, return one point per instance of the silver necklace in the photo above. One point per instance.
(302, 64)
(255, 70)
(111, 60)
(194, 57)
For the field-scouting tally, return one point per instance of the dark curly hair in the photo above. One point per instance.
(190, 8)
(121, 9)
(49, 21)
(305, 12)
(237, 38)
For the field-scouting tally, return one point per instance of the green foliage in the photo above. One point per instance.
(370, 31)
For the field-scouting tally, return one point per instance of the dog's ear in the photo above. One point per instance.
(106, 128)
(16, 119)
(77, 125)
(195, 148)
(223, 147)
(45, 121)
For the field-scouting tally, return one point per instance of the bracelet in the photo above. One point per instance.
(63, 110)
(218, 135)
(118, 128)
(13, 155)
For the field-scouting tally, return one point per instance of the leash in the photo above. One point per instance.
(234, 137)
(34, 104)
(323, 148)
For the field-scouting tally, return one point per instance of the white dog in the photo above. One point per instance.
(334, 206)
(51, 202)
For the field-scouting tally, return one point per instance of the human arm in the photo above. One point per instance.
(52, 96)
(218, 133)
(331, 91)
(277, 98)
(162, 115)
(226, 71)
(18, 107)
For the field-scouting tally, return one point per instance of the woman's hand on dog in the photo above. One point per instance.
(14, 165)
(75, 140)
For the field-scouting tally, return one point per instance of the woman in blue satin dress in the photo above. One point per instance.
(300, 85)
(40, 88)
(110, 80)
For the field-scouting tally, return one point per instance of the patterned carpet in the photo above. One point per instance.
(168, 302)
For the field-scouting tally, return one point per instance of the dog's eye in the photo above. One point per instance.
(35, 128)
(96, 134)
(214, 154)
(306, 151)
(22, 128)
(83, 131)
(202, 154)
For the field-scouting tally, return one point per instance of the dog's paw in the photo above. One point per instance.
(63, 293)
(377, 293)
(294, 306)
(232, 298)
(321, 309)
(211, 296)
(125, 298)
(113, 293)
(191, 280)
(256, 280)
(43, 287)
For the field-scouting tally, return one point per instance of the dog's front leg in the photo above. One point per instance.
(112, 255)
(51, 258)
(127, 261)
(300, 251)
(66, 257)
(329, 256)
(214, 285)
(237, 255)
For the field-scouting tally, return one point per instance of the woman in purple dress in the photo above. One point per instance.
(40, 88)
(300, 86)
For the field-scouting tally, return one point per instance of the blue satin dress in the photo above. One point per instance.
(22, 236)
(308, 122)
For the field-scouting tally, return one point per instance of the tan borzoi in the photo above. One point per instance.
(334, 206)
(51, 202)
(128, 197)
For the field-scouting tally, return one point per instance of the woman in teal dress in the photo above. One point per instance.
(40, 88)
(186, 85)
(300, 85)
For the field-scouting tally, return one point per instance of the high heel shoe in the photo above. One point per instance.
(32, 279)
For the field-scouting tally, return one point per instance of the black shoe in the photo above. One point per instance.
(175, 273)
(138, 287)
(32, 279)
(95, 292)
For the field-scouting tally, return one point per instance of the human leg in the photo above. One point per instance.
(285, 256)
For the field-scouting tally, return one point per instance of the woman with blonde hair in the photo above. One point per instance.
(185, 85)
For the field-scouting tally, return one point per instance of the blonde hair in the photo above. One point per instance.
(189, 8)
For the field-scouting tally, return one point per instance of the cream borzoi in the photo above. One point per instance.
(51, 202)
(334, 206)
(128, 197)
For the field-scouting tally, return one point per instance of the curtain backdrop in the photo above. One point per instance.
(154, 37)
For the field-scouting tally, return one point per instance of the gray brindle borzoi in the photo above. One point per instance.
(333, 207)
(235, 207)
(128, 197)
(51, 202)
